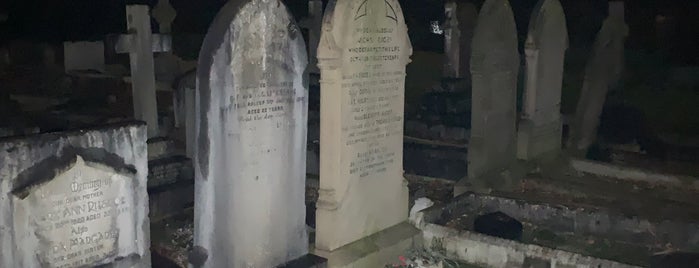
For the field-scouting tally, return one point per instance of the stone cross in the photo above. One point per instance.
(362, 56)
(458, 32)
(164, 14)
(250, 139)
(494, 68)
(140, 43)
(313, 24)
(603, 71)
(540, 130)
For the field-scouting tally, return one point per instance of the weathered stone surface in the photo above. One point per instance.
(75, 199)
(251, 138)
(461, 21)
(169, 170)
(603, 70)
(540, 129)
(494, 68)
(362, 57)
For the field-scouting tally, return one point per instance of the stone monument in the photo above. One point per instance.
(603, 71)
(460, 22)
(75, 199)
(540, 130)
(362, 55)
(494, 68)
(250, 136)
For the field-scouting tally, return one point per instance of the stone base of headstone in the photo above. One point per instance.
(306, 261)
(534, 141)
(504, 179)
(376, 250)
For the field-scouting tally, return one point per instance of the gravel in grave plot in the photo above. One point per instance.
(171, 241)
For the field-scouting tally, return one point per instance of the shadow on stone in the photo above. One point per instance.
(498, 224)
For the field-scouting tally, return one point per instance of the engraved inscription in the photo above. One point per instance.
(373, 83)
(76, 216)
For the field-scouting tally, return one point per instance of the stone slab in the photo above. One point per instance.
(75, 199)
(375, 250)
(307, 261)
(83, 56)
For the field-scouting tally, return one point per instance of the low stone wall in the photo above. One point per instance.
(634, 174)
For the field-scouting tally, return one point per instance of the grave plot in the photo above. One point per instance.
(568, 217)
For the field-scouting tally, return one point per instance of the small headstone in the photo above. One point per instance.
(494, 68)
(603, 71)
(83, 56)
(75, 199)
(251, 138)
(540, 130)
(362, 56)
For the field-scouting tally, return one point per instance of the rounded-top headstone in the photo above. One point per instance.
(250, 137)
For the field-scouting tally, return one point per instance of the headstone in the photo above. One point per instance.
(183, 106)
(362, 56)
(494, 67)
(251, 138)
(75, 199)
(603, 71)
(140, 45)
(540, 130)
(460, 22)
(81, 56)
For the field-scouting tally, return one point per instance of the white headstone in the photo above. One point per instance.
(251, 137)
(540, 130)
(494, 68)
(79, 56)
(75, 199)
(603, 70)
(362, 57)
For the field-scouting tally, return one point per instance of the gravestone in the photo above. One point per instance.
(362, 56)
(251, 138)
(75, 199)
(494, 67)
(81, 56)
(603, 70)
(140, 43)
(460, 23)
(540, 130)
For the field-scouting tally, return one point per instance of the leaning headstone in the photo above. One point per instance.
(75, 199)
(251, 138)
(362, 56)
(494, 68)
(82, 56)
(603, 71)
(540, 130)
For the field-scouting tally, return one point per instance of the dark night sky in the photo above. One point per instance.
(59, 20)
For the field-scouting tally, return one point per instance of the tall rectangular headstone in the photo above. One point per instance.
(460, 23)
(540, 130)
(75, 199)
(602, 71)
(494, 68)
(251, 115)
(362, 57)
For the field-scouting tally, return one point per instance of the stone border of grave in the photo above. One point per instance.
(634, 174)
(475, 248)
